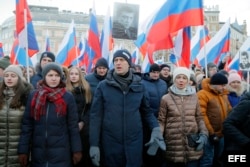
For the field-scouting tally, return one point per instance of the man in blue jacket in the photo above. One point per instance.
(119, 106)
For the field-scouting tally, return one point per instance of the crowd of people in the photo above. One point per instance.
(121, 117)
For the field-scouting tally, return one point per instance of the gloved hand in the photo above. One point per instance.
(214, 138)
(156, 141)
(201, 142)
(77, 156)
(94, 153)
(23, 159)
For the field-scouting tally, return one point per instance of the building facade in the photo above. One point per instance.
(55, 23)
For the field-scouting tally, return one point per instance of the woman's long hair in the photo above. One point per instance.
(21, 90)
(82, 83)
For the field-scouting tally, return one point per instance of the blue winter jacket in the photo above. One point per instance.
(116, 121)
(53, 138)
(156, 89)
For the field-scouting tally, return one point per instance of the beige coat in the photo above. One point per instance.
(178, 122)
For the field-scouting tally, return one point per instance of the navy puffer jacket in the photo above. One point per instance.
(52, 139)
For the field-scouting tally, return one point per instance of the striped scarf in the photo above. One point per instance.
(43, 94)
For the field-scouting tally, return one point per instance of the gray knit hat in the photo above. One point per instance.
(52, 66)
(4, 62)
(14, 68)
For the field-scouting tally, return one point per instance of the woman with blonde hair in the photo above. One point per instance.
(80, 88)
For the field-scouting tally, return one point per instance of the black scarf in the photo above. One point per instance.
(124, 81)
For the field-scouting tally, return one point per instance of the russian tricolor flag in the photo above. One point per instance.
(47, 42)
(1, 50)
(234, 64)
(18, 54)
(68, 50)
(216, 46)
(173, 16)
(93, 41)
(182, 47)
(24, 28)
(106, 40)
(198, 40)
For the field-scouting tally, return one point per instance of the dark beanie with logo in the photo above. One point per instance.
(218, 79)
(124, 54)
(102, 62)
(154, 67)
(48, 54)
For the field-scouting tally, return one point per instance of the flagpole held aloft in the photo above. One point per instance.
(204, 41)
(26, 45)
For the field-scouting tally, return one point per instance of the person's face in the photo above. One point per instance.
(74, 76)
(45, 61)
(235, 84)
(154, 75)
(10, 79)
(83, 71)
(52, 79)
(165, 72)
(101, 71)
(244, 59)
(212, 71)
(137, 69)
(1, 72)
(31, 72)
(219, 88)
(181, 81)
(126, 19)
(121, 66)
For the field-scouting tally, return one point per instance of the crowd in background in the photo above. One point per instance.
(122, 117)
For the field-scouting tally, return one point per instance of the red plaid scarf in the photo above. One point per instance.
(53, 95)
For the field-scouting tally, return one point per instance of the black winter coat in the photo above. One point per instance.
(236, 127)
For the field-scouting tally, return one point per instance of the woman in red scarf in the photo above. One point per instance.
(50, 123)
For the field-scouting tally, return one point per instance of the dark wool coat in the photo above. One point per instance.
(53, 138)
(116, 121)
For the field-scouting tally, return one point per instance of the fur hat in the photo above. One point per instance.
(165, 65)
(181, 70)
(124, 54)
(102, 62)
(4, 62)
(234, 77)
(154, 67)
(218, 79)
(48, 54)
(52, 66)
(14, 68)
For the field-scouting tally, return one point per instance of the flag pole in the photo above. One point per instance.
(204, 46)
(26, 45)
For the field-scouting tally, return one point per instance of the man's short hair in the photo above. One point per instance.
(244, 53)
(125, 8)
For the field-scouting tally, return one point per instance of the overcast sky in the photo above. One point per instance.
(228, 8)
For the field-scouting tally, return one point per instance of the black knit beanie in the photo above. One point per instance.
(154, 67)
(102, 62)
(218, 79)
